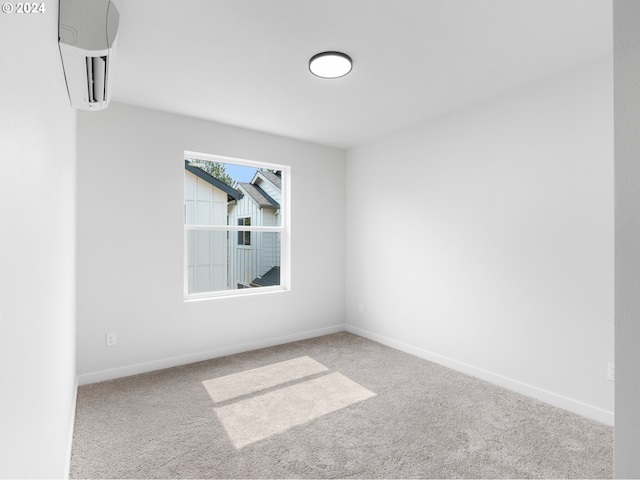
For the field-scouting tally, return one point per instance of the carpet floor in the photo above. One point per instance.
(338, 406)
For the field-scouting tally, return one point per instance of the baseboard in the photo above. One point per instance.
(552, 398)
(72, 425)
(555, 399)
(126, 371)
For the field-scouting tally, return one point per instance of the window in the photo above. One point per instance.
(236, 226)
(244, 237)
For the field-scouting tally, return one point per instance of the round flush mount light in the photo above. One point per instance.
(330, 64)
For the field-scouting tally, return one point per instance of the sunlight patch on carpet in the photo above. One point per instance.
(257, 379)
(257, 417)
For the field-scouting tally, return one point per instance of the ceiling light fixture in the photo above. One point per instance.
(330, 64)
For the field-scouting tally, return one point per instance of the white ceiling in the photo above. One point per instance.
(245, 62)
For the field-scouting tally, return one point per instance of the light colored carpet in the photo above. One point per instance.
(253, 419)
(388, 415)
(257, 379)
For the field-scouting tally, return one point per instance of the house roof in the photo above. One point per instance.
(269, 279)
(272, 177)
(259, 195)
(231, 192)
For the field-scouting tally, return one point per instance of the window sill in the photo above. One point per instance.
(196, 297)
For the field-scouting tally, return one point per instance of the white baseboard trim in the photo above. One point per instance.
(575, 406)
(72, 425)
(135, 369)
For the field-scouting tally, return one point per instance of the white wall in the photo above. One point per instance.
(484, 240)
(627, 173)
(37, 243)
(130, 244)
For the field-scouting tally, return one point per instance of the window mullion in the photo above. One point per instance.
(235, 228)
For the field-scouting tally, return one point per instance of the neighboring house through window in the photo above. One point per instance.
(236, 230)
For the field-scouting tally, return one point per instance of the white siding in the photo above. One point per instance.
(270, 242)
(248, 262)
(244, 258)
(207, 251)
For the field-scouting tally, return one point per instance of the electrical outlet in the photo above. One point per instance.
(111, 339)
(360, 308)
(611, 372)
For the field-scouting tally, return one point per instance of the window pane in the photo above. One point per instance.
(244, 238)
(258, 266)
(225, 194)
(215, 263)
(207, 261)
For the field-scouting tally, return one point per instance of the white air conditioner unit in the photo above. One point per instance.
(87, 34)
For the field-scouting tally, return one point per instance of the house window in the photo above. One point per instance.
(244, 237)
(236, 226)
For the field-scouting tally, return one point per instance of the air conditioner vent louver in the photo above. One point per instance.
(96, 79)
(87, 38)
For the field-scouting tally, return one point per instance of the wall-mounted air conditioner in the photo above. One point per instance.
(87, 33)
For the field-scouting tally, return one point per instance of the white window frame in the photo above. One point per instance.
(284, 229)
